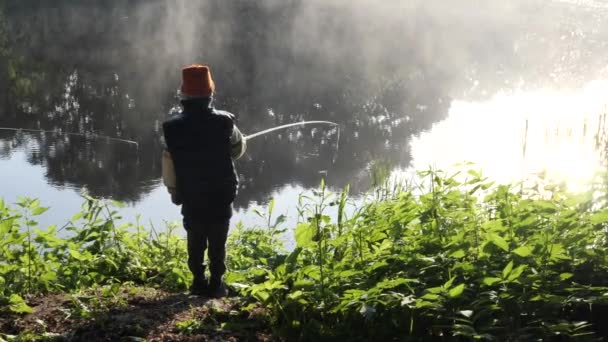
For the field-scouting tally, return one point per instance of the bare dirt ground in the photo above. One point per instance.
(136, 314)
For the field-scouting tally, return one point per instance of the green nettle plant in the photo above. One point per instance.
(90, 250)
(454, 258)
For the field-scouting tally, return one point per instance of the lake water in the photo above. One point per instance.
(413, 86)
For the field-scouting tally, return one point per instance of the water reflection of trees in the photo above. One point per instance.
(56, 82)
(115, 76)
(78, 76)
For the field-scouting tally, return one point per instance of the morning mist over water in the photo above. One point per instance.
(412, 83)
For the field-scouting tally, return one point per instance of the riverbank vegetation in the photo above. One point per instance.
(450, 258)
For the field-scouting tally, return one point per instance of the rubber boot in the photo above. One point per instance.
(199, 287)
(217, 288)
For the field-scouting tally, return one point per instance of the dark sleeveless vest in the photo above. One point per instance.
(198, 139)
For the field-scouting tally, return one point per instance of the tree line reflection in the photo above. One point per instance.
(114, 75)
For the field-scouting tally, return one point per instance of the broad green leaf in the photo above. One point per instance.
(499, 241)
(261, 295)
(437, 289)
(377, 265)
(507, 270)
(474, 173)
(420, 303)
(81, 257)
(523, 251)
(456, 291)
(448, 284)
(39, 211)
(354, 294)
(304, 234)
(274, 285)
(599, 217)
(34, 204)
(558, 252)
(493, 226)
(303, 283)
(293, 256)
(545, 206)
(4, 228)
(312, 271)
(49, 276)
(431, 296)
(536, 298)
(389, 284)
(491, 280)
(118, 204)
(458, 254)
(529, 221)
(295, 295)
(565, 276)
(517, 272)
(18, 305)
(348, 273)
(279, 220)
(78, 216)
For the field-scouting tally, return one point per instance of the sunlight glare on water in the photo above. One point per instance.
(561, 139)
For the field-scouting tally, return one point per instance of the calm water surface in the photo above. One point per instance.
(509, 81)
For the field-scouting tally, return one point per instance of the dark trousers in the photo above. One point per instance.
(200, 236)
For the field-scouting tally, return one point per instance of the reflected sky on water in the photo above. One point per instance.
(515, 135)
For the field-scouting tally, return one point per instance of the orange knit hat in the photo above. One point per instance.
(197, 81)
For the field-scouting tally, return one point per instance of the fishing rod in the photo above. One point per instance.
(86, 135)
(301, 123)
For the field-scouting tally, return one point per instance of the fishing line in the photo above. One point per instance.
(86, 135)
(247, 137)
